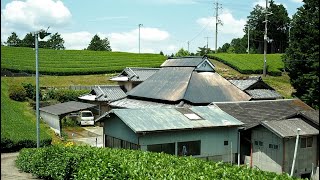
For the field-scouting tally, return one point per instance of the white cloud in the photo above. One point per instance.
(31, 15)
(231, 26)
(77, 40)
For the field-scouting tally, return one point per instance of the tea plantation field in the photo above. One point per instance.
(251, 63)
(74, 62)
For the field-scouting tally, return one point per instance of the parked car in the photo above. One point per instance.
(85, 118)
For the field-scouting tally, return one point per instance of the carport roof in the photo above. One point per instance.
(66, 108)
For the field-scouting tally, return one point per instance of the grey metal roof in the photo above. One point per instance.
(183, 62)
(161, 119)
(136, 73)
(66, 108)
(253, 112)
(243, 84)
(288, 127)
(311, 115)
(105, 93)
(182, 83)
(167, 84)
(258, 94)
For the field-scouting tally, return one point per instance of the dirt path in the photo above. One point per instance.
(9, 170)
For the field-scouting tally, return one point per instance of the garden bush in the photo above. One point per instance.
(17, 92)
(84, 162)
(64, 95)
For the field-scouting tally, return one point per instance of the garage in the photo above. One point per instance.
(53, 114)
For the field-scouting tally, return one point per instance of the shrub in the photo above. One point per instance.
(17, 92)
(31, 91)
(64, 95)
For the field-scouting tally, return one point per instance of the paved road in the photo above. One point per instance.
(8, 169)
(91, 136)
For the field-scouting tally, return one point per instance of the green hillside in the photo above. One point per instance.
(251, 63)
(72, 62)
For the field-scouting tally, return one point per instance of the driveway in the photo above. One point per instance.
(92, 136)
(10, 171)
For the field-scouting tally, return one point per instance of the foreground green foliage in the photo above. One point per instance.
(84, 162)
(251, 63)
(18, 126)
(74, 62)
(302, 56)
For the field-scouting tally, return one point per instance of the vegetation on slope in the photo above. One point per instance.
(83, 162)
(74, 62)
(18, 125)
(251, 63)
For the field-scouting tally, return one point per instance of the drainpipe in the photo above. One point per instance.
(284, 154)
(295, 151)
(251, 154)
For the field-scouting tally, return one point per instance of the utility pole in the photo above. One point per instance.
(207, 42)
(188, 45)
(139, 36)
(248, 29)
(265, 37)
(218, 21)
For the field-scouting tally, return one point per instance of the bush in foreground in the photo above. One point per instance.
(84, 162)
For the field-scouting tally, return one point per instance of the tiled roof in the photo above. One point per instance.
(258, 94)
(288, 127)
(135, 74)
(253, 112)
(105, 93)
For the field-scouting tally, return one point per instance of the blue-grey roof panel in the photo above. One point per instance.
(108, 93)
(263, 94)
(161, 119)
(67, 107)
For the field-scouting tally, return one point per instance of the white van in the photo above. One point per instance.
(85, 118)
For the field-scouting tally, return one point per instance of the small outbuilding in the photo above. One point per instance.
(201, 131)
(53, 114)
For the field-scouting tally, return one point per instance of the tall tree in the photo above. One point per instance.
(278, 28)
(98, 44)
(203, 51)
(56, 42)
(302, 56)
(13, 40)
(224, 48)
(28, 40)
(182, 53)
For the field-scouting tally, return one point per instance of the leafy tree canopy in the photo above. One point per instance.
(13, 40)
(302, 56)
(28, 40)
(98, 44)
(56, 42)
(182, 53)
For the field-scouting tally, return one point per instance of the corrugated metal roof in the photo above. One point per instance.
(264, 94)
(182, 83)
(161, 119)
(135, 103)
(253, 112)
(167, 84)
(135, 74)
(183, 62)
(105, 93)
(66, 108)
(312, 115)
(288, 127)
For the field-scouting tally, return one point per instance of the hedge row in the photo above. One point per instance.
(8, 145)
(84, 162)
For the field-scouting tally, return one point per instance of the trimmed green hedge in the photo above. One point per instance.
(86, 163)
(251, 63)
(74, 62)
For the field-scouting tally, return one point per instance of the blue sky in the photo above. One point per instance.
(167, 24)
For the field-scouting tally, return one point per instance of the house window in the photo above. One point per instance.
(168, 148)
(189, 148)
(306, 142)
(256, 143)
(113, 142)
(260, 143)
(270, 145)
(275, 146)
(225, 143)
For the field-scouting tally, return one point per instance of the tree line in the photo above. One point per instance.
(56, 42)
